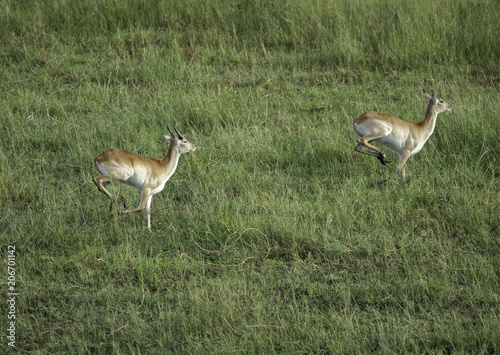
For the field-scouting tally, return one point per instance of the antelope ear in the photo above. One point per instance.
(168, 138)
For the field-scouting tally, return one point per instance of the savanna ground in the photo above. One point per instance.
(273, 236)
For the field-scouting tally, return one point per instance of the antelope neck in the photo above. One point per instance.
(171, 159)
(430, 118)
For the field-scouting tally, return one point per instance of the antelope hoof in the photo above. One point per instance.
(125, 205)
(383, 181)
(382, 159)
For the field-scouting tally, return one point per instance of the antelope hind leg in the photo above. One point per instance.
(380, 155)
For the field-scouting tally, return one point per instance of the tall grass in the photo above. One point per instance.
(273, 236)
(369, 34)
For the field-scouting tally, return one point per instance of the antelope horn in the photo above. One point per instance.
(171, 133)
(180, 135)
(433, 97)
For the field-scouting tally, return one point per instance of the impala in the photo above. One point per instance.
(405, 138)
(147, 175)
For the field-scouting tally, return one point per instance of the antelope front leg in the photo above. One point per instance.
(148, 210)
(146, 193)
(401, 168)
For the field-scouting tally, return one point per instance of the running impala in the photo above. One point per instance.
(405, 138)
(147, 175)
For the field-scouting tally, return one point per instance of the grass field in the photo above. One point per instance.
(273, 236)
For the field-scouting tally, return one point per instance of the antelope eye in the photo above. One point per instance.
(184, 141)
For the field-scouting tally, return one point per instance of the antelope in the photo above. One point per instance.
(147, 175)
(405, 138)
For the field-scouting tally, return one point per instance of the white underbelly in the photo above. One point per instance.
(390, 142)
(135, 182)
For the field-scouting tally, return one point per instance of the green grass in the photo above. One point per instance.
(273, 237)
